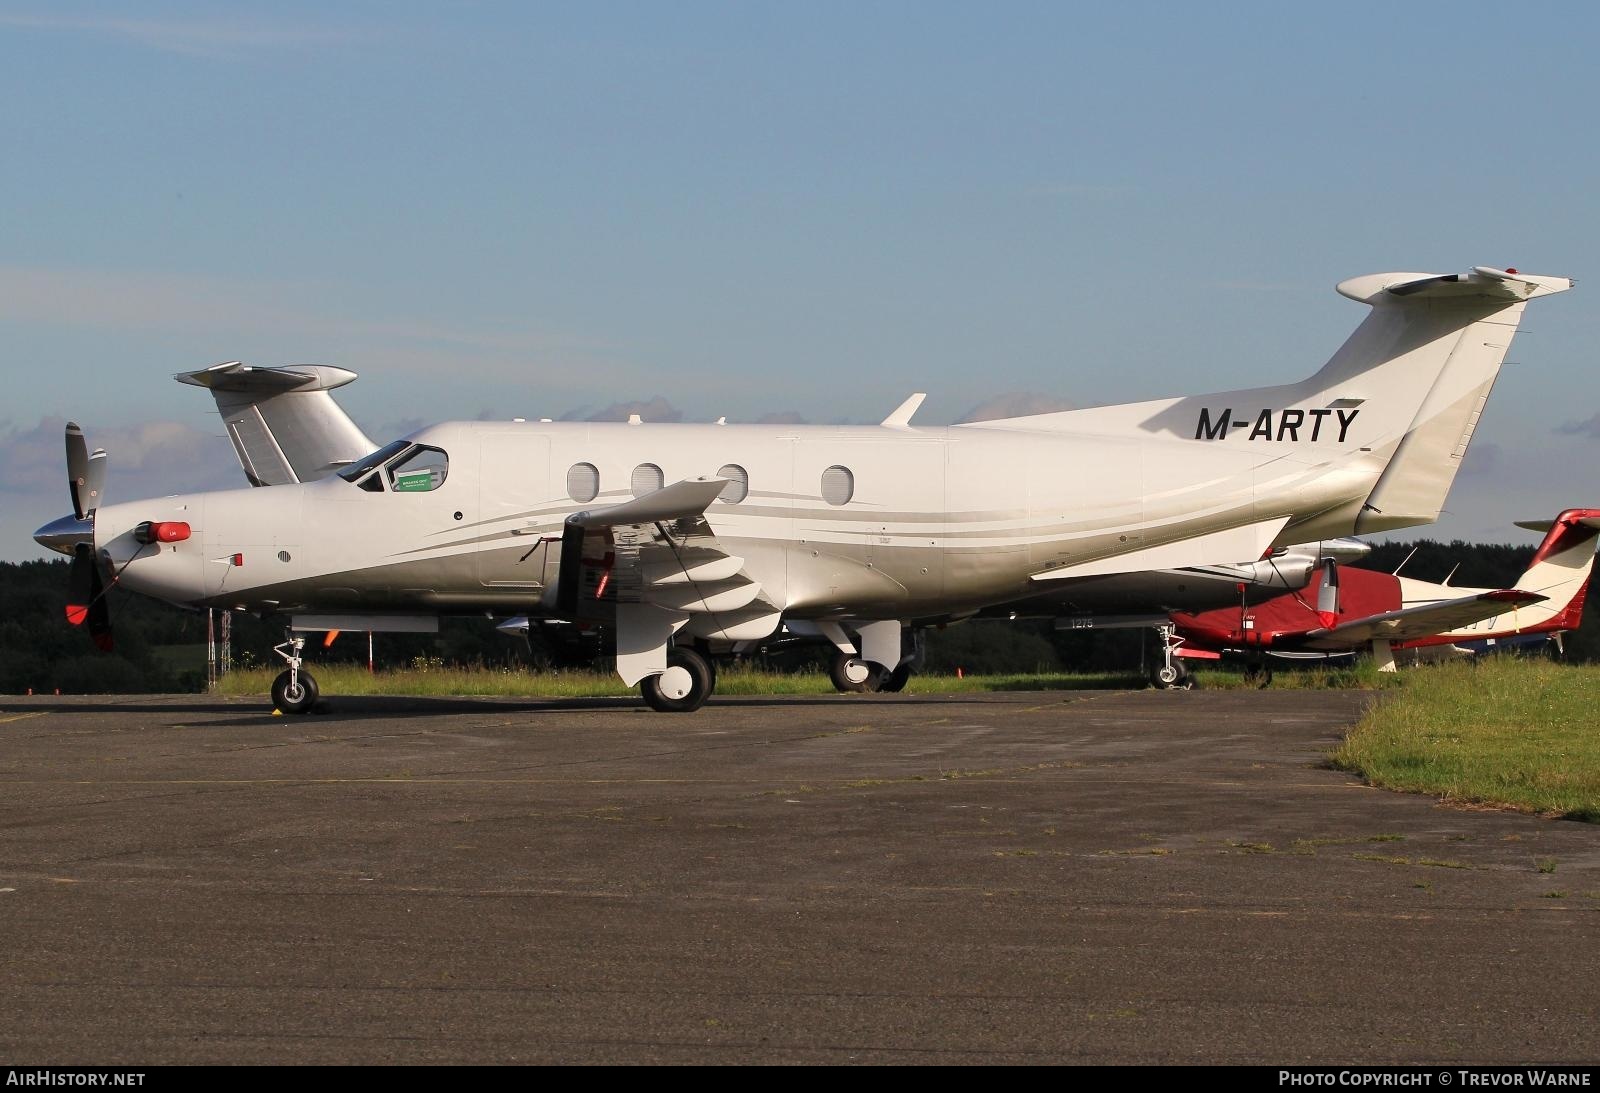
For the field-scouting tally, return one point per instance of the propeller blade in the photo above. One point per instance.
(100, 616)
(80, 584)
(96, 480)
(86, 597)
(86, 474)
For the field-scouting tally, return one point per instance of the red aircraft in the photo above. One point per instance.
(1342, 610)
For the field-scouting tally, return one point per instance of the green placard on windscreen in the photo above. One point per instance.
(413, 481)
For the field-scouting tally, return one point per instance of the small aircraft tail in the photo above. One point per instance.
(1424, 363)
(1562, 565)
(284, 423)
(1396, 406)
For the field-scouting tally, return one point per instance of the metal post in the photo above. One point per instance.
(211, 650)
(227, 643)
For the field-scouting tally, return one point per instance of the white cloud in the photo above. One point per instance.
(195, 38)
(156, 457)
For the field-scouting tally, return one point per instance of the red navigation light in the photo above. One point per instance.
(162, 531)
(1511, 270)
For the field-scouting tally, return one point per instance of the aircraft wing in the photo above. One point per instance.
(686, 499)
(652, 567)
(1249, 541)
(1424, 621)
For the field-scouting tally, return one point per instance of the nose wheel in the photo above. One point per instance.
(294, 691)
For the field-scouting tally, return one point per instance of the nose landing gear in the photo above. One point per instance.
(294, 691)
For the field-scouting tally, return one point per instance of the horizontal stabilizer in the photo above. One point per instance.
(236, 376)
(1546, 525)
(1482, 283)
(1249, 541)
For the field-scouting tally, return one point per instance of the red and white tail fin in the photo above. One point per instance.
(1561, 566)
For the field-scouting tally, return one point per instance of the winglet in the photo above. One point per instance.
(901, 418)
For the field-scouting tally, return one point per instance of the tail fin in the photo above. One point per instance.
(1561, 566)
(283, 422)
(1397, 404)
(1433, 347)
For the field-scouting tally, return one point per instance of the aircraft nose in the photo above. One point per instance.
(65, 534)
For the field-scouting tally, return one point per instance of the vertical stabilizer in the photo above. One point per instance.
(1561, 566)
(1444, 338)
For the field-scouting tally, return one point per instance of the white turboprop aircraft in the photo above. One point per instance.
(688, 540)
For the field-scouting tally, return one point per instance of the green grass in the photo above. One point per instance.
(1359, 674)
(1504, 731)
(356, 680)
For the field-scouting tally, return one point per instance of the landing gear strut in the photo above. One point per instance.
(1170, 674)
(683, 687)
(294, 691)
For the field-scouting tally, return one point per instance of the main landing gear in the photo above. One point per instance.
(294, 691)
(684, 686)
(852, 675)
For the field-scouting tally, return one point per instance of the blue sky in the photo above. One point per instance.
(532, 210)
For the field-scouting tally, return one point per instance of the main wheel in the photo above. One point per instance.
(298, 699)
(1171, 677)
(851, 674)
(894, 682)
(683, 687)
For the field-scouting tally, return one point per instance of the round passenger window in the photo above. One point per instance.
(647, 478)
(738, 487)
(838, 485)
(583, 483)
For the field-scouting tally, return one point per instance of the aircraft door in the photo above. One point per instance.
(515, 521)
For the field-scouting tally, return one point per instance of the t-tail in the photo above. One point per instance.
(284, 423)
(1396, 406)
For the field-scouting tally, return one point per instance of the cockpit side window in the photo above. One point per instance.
(422, 470)
(360, 469)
